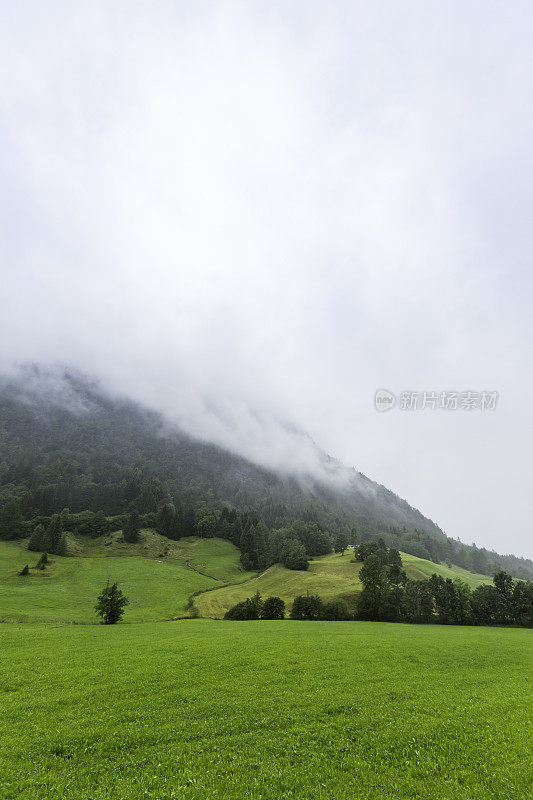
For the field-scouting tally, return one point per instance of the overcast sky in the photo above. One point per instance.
(258, 213)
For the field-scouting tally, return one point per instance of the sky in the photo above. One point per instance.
(253, 215)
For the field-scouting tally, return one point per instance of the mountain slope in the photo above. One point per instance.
(64, 443)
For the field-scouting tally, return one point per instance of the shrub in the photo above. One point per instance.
(248, 609)
(336, 611)
(273, 608)
(307, 608)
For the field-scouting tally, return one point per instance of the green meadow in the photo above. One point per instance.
(165, 707)
(200, 709)
(157, 583)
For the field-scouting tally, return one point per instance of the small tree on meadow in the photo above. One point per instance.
(25, 570)
(43, 561)
(110, 605)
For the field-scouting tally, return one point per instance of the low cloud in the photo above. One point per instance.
(251, 217)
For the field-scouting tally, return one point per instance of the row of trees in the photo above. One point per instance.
(303, 608)
(388, 595)
(51, 538)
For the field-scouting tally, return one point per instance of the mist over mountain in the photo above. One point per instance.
(65, 443)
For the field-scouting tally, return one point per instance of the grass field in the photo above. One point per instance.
(333, 576)
(199, 709)
(158, 588)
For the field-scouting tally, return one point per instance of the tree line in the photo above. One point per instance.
(387, 595)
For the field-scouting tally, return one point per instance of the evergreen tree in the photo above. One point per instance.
(132, 528)
(341, 543)
(36, 541)
(25, 570)
(53, 534)
(110, 605)
(62, 549)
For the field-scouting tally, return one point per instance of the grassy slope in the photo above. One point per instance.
(419, 568)
(158, 588)
(331, 576)
(199, 710)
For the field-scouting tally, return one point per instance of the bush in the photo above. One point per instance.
(307, 608)
(273, 608)
(249, 609)
(336, 611)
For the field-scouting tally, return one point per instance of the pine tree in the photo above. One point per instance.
(53, 534)
(37, 538)
(110, 605)
(61, 549)
(132, 528)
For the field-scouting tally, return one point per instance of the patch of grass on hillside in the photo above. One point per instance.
(420, 568)
(202, 710)
(66, 591)
(331, 576)
(158, 588)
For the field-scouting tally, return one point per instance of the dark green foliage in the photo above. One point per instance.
(25, 570)
(249, 609)
(53, 534)
(273, 608)
(110, 605)
(11, 524)
(417, 602)
(293, 555)
(523, 604)
(485, 604)
(341, 543)
(94, 525)
(381, 596)
(43, 561)
(336, 611)
(132, 528)
(36, 541)
(307, 608)
(452, 601)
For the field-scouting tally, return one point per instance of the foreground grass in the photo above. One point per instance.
(200, 709)
(158, 588)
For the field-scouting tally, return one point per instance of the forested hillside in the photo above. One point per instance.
(64, 444)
